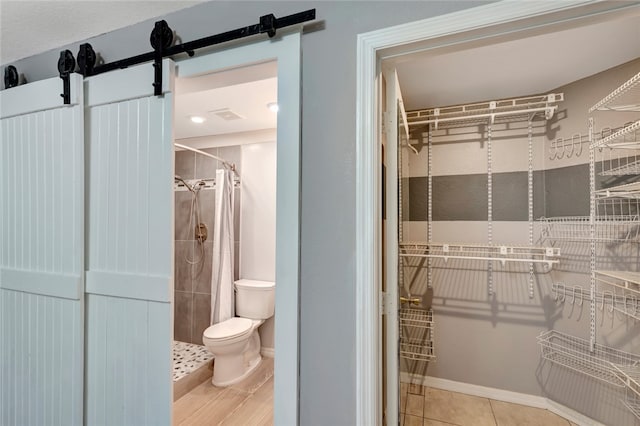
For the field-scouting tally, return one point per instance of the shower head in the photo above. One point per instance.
(179, 179)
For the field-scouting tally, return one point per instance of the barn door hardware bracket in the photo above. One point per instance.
(86, 59)
(66, 65)
(268, 25)
(162, 37)
(11, 77)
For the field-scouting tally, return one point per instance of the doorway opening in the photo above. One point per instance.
(225, 127)
(447, 248)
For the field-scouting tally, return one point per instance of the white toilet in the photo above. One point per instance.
(235, 343)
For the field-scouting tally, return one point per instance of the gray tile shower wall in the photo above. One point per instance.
(192, 306)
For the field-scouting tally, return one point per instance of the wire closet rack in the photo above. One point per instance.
(490, 112)
(630, 379)
(614, 213)
(416, 334)
(578, 228)
(574, 353)
(496, 253)
(485, 114)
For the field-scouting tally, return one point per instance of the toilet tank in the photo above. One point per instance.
(255, 299)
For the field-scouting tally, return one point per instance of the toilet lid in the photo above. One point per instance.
(230, 328)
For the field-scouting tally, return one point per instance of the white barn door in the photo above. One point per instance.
(41, 254)
(129, 248)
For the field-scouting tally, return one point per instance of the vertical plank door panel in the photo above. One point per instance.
(129, 275)
(41, 254)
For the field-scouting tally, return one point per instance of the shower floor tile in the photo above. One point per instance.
(187, 358)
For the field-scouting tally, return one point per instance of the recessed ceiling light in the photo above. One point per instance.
(273, 106)
(197, 119)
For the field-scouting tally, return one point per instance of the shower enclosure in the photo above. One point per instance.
(194, 224)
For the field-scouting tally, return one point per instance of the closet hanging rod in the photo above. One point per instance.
(227, 164)
(549, 111)
(500, 253)
(530, 106)
(502, 260)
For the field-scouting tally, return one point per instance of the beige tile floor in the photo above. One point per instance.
(423, 406)
(248, 403)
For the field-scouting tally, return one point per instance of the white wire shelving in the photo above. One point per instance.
(574, 353)
(496, 253)
(625, 280)
(629, 190)
(416, 334)
(625, 98)
(632, 402)
(625, 303)
(614, 213)
(614, 153)
(487, 112)
(627, 137)
(630, 167)
(578, 228)
(629, 376)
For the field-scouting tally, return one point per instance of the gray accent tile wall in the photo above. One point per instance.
(192, 307)
(510, 196)
(567, 191)
(556, 192)
(461, 197)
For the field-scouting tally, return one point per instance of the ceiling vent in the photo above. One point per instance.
(227, 114)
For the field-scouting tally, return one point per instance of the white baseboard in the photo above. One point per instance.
(571, 415)
(267, 352)
(501, 395)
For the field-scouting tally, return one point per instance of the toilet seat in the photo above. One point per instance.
(232, 328)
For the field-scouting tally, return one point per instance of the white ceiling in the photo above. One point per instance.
(529, 66)
(245, 91)
(248, 100)
(31, 27)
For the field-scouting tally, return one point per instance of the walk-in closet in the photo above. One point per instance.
(518, 230)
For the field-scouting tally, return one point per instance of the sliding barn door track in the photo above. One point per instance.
(161, 41)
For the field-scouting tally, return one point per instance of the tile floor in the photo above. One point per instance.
(423, 406)
(248, 403)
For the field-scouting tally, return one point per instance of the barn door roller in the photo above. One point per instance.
(66, 65)
(11, 77)
(162, 37)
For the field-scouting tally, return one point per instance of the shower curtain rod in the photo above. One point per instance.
(231, 166)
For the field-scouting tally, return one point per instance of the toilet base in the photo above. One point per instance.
(252, 366)
(234, 362)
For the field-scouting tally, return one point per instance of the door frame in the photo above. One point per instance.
(285, 49)
(466, 26)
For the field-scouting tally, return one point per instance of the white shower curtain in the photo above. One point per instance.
(222, 296)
